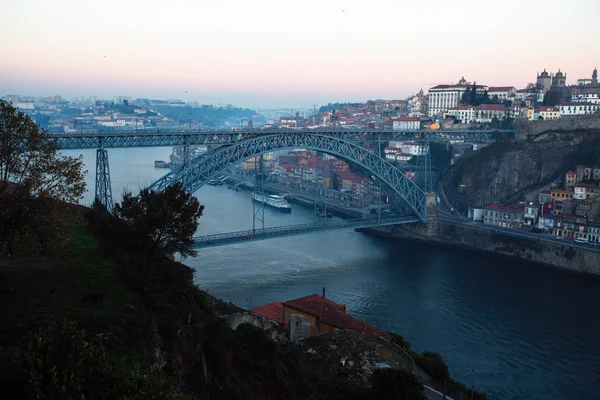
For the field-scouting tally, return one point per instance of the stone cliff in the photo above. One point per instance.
(504, 171)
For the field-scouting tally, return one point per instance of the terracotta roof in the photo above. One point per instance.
(408, 119)
(500, 89)
(548, 109)
(562, 191)
(570, 173)
(329, 313)
(491, 107)
(273, 311)
(500, 207)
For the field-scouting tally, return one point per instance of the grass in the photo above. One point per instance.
(76, 284)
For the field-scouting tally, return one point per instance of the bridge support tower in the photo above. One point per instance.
(103, 186)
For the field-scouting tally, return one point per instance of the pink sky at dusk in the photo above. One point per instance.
(280, 54)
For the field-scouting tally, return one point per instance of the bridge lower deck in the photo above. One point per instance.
(222, 239)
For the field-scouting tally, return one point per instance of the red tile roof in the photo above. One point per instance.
(408, 119)
(329, 313)
(500, 89)
(273, 311)
(570, 173)
(491, 107)
(500, 207)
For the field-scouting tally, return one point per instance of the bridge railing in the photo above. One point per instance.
(292, 230)
(68, 141)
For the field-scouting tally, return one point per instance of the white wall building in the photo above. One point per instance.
(577, 109)
(464, 114)
(406, 123)
(504, 93)
(396, 154)
(444, 97)
(547, 112)
(586, 98)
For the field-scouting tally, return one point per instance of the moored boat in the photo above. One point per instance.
(271, 200)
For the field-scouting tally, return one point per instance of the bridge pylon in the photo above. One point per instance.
(103, 185)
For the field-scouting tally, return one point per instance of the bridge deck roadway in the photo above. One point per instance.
(67, 141)
(223, 239)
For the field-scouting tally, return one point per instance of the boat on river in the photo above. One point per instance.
(272, 200)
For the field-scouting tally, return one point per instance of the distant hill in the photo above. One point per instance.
(210, 117)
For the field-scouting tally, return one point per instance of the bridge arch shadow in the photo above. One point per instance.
(202, 169)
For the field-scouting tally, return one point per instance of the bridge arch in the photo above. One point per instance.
(201, 169)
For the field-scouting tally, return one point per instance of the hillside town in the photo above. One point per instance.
(571, 211)
(567, 211)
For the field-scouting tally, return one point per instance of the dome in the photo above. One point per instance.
(544, 74)
(559, 74)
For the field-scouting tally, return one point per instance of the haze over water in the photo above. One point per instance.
(526, 331)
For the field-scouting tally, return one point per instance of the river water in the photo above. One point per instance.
(516, 330)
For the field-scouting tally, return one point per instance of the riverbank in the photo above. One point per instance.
(294, 198)
(478, 239)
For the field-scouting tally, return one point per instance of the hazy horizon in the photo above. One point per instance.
(277, 55)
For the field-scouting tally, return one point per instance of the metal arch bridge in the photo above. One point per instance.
(157, 138)
(222, 239)
(200, 170)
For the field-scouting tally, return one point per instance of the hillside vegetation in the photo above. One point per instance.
(505, 170)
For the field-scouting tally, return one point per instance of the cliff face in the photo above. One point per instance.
(504, 171)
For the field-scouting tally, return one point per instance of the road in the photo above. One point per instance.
(433, 394)
(515, 232)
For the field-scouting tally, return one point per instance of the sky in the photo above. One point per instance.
(271, 54)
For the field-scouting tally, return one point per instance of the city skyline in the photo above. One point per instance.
(275, 55)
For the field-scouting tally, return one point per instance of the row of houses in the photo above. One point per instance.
(560, 212)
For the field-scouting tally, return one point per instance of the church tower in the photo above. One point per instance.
(544, 81)
(595, 76)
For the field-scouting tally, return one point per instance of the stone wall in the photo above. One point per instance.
(527, 130)
(274, 331)
(472, 237)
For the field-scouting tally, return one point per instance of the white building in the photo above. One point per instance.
(444, 97)
(569, 109)
(504, 93)
(547, 112)
(396, 154)
(579, 193)
(586, 98)
(464, 114)
(406, 123)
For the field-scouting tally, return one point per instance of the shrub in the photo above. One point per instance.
(58, 362)
(434, 365)
(396, 384)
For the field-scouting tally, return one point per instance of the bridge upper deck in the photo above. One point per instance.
(157, 138)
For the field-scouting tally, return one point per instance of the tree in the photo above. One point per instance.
(169, 218)
(126, 103)
(36, 182)
(396, 384)
(466, 97)
(552, 98)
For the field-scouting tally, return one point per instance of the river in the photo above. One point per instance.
(516, 330)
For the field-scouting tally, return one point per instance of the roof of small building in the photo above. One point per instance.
(500, 88)
(491, 107)
(570, 173)
(273, 311)
(329, 313)
(500, 207)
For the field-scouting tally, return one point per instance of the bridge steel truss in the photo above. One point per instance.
(68, 141)
(222, 239)
(204, 168)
